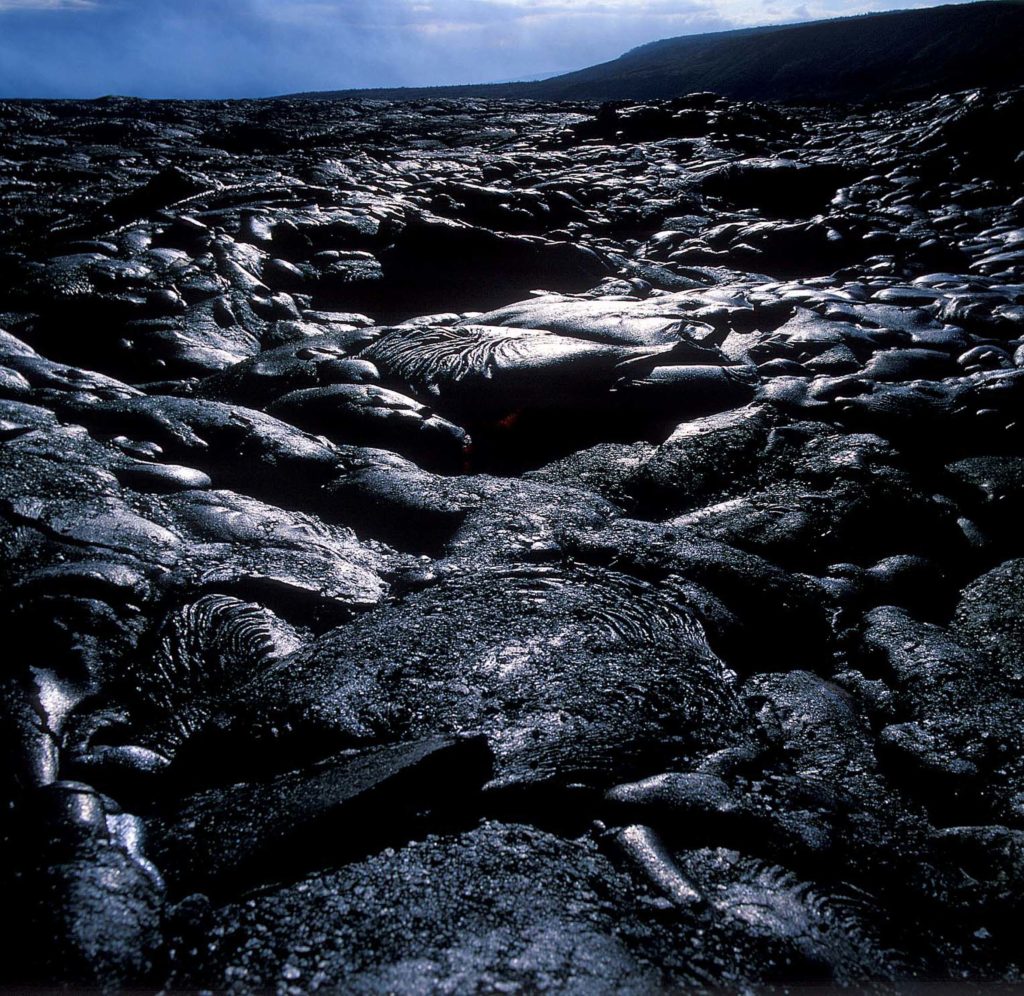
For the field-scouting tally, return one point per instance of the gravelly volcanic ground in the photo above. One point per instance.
(455, 547)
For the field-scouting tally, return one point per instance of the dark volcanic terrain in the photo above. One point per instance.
(491, 547)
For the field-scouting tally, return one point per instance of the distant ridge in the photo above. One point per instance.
(865, 58)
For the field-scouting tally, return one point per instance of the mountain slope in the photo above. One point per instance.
(870, 57)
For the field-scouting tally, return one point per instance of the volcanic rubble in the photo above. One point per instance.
(491, 546)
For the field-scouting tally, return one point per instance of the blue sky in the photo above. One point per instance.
(237, 48)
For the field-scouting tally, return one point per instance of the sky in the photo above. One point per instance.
(253, 48)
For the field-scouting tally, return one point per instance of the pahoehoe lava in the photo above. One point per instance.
(481, 545)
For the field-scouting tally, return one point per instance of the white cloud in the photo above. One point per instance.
(474, 13)
(439, 18)
(47, 5)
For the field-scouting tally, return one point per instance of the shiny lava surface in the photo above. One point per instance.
(492, 546)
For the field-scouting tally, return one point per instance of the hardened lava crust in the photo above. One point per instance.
(490, 546)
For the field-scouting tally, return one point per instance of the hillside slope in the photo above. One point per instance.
(871, 57)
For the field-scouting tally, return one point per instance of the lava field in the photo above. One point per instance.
(492, 546)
